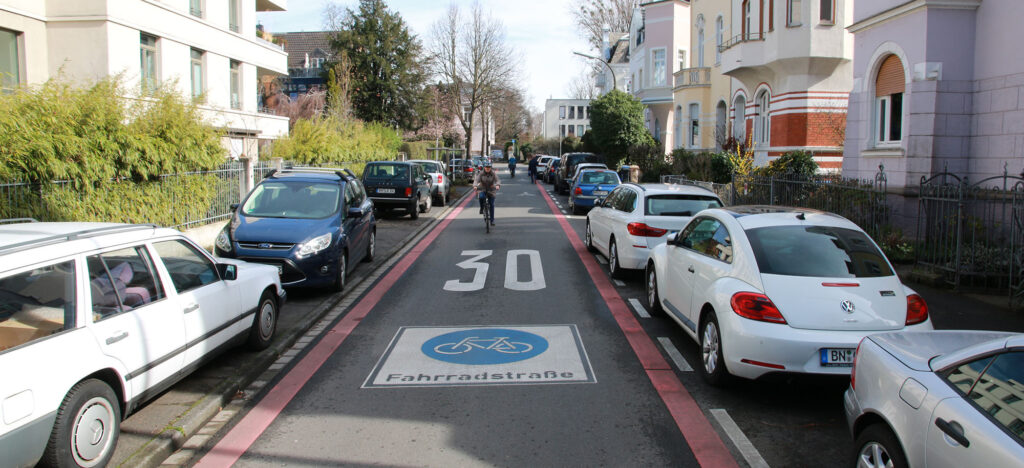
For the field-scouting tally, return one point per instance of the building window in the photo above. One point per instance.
(561, 112)
(588, 113)
(465, 114)
(700, 46)
(889, 88)
(561, 131)
(10, 61)
(579, 130)
(747, 20)
(827, 12)
(317, 62)
(719, 39)
(694, 130)
(236, 84)
(739, 119)
(572, 130)
(792, 12)
(763, 118)
(233, 22)
(658, 60)
(682, 59)
(195, 7)
(147, 57)
(579, 113)
(197, 74)
(572, 112)
(771, 15)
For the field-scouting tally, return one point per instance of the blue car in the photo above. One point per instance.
(590, 186)
(314, 226)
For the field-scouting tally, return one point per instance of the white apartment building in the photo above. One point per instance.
(207, 49)
(566, 117)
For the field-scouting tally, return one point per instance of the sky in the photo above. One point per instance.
(541, 30)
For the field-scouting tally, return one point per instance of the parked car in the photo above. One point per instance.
(462, 168)
(590, 186)
(552, 170)
(313, 226)
(542, 163)
(398, 184)
(583, 166)
(98, 318)
(478, 162)
(767, 289)
(440, 183)
(946, 398)
(568, 168)
(633, 219)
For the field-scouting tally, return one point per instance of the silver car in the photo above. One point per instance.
(439, 182)
(938, 399)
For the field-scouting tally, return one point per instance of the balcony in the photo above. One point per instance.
(739, 39)
(692, 78)
(819, 49)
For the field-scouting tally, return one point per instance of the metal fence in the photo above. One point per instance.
(724, 191)
(229, 189)
(973, 233)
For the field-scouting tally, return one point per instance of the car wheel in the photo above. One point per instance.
(340, 275)
(87, 427)
(588, 239)
(371, 247)
(429, 203)
(877, 447)
(613, 260)
(712, 367)
(653, 300)
(265, 323)
(414, 211)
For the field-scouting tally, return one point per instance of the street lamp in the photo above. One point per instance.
(615, 83)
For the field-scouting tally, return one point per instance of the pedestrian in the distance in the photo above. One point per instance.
(533, 168)
(512, 165)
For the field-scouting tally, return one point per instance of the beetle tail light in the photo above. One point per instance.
(917, 309)
(755, 306)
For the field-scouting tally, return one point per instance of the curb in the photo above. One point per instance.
(186, 426)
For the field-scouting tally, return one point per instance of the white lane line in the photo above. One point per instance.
(674, 354)
(739, 439)
(639, 308)
(619, 283)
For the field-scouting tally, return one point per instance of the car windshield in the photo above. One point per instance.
(386, 171)
(599, 178)
(821, 251)
(679, 205)
(430, 167)
(292, 199)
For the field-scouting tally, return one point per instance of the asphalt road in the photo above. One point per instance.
(370, 391)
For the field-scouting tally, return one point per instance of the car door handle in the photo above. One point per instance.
(191, 308)
(118, 337)
(691, 270)
(956, 432)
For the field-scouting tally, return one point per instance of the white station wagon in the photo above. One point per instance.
(97, 318)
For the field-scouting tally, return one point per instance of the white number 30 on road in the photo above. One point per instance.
(511, 271)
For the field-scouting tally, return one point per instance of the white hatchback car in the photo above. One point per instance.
(97, 318)
(634, 219)
(773, 289)
(950, 398)
(440, 184)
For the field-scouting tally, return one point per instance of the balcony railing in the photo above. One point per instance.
(739, 39)
(693, 77)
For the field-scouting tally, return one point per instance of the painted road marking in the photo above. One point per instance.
(674, 354)
(619, 283)
(739, 439)
(478, 278)
(512, 271)
(483, 355)
(639, 308)
(707, 447)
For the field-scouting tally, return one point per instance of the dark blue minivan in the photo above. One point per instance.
(314, 225)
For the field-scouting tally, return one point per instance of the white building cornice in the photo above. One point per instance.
(911, 7)
(20, 12)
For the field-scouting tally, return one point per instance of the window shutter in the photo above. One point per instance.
(890, 77)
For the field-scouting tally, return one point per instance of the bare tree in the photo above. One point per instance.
(474, 57)
(510, 115)
(594, 15)
(583, 86)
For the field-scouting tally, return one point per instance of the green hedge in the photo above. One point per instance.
(417, 149)
(335, 140)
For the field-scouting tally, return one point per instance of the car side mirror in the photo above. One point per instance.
(234, 207)
(227, 271)
(355, 212)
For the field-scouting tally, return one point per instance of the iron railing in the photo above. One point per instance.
(741, 38)
(724, 191)
(693, 77)
(973, 233)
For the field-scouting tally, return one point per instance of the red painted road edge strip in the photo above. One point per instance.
(707, 447)
(245, 433)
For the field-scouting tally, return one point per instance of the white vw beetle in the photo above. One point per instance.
(97, 318)
(773, 289)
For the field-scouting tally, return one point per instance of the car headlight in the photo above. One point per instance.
(223, 241)
(314, 245)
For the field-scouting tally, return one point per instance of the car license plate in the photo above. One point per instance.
(385, 190)
(837, 357)
(600, 192)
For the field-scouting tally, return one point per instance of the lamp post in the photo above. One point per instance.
(615, 83)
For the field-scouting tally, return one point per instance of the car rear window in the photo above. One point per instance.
(386, 171)
(599, 178)
(678, 205)
(280, 199)
(821, 251)
(430, 167)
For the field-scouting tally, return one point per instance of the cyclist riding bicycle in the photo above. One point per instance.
(512, 166)
(487, 183)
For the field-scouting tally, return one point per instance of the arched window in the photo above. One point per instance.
(694, 130)
(678, 128)
(890, 85)
(700, 40)
(747, 20)
(763, 118)
(739, 119)
(721, 112)
(719, 38)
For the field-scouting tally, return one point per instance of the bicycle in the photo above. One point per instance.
(500, 344)
(486, 203)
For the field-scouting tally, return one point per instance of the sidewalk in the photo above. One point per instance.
(161, 426)
(951, 309)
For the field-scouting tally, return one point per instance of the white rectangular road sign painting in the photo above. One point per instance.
(484, 355)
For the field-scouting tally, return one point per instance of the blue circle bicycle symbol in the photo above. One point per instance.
(485, 346)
